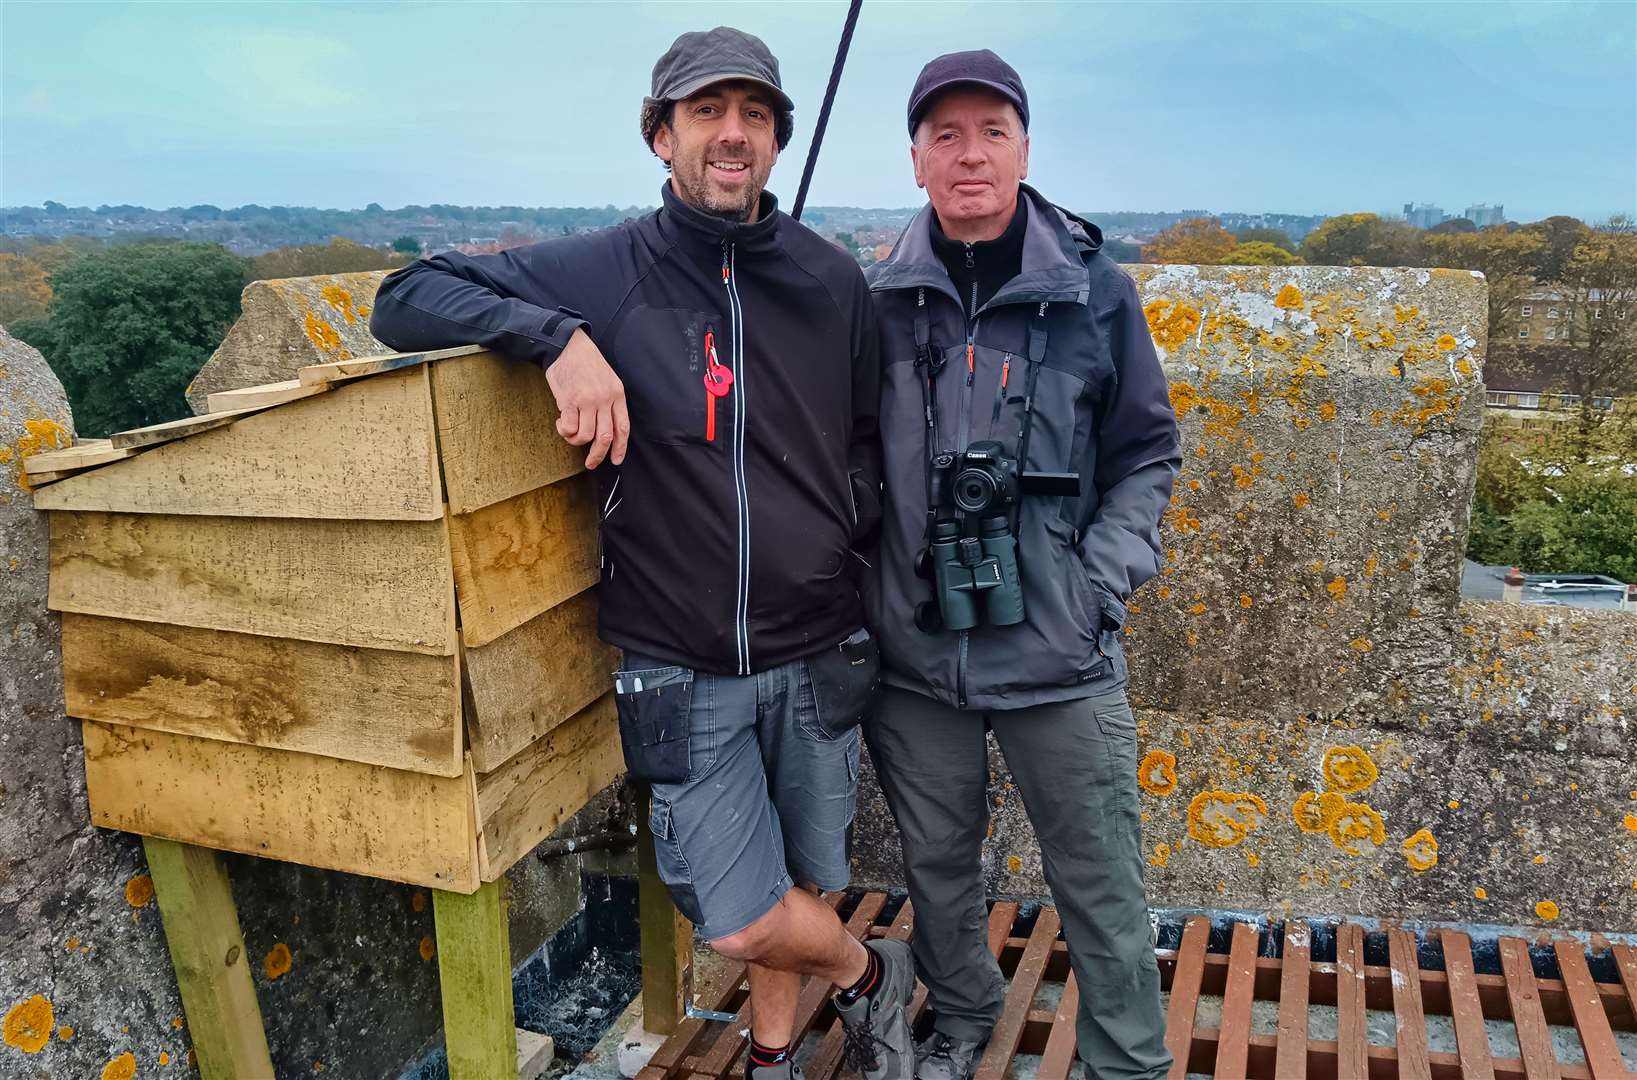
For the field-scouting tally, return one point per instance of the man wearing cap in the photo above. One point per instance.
(724, 359)
(1003, 324)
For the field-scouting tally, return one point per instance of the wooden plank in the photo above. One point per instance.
(362, 366)
(1019, 996)
(1534, 1040)
(1234, 1043)
(529, 796)
(381, 585)
(475, 978)
(1602, 1055)
(207, 951)
(1625, 961)
(1381, 1062)
(279, 804)
(70, 460)
(262, 397)
(525, 555)
(1058, 1056)
(1179, 1020)
(532, 678)
(497, 430)
(1407, 1008)
(397, 709)
(667, 955)
(363, 452)
(171, 430)
(1290, 1061)
(1471, 1037)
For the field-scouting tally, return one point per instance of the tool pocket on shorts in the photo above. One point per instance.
(653, 705)
(845, 680)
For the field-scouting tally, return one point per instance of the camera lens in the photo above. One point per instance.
(974, 490)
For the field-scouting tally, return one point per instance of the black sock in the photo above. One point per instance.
(866, 982)
(763, 1056)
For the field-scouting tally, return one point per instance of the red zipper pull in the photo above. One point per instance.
(970, 367)
(1005, 370)
(710, 416)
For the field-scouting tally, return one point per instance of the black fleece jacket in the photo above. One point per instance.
(728, 540)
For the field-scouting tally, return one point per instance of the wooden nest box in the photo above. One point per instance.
(345, 621)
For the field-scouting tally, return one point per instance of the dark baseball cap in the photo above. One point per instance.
(979, 67)
(701, 57)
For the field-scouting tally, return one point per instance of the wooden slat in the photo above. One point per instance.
(397, 709)
(1236, 1003)
(207, 951)
(362, 366)
(171, 430)
(379, 584)
(1019, 996)
(529, 680)
(475, 980)
(1602, 1055)
(262, 397)
(1291, 1059)
(1471, 1037)
(1625, 961)
(1407, 1009)
(1185, 983)
(675, 1050)
(362, 452)
(1381, 1062)
(1534, 1040)
(520, 803)
(497, 430)
(1058, 1056)
(279, 804)
(72, 459)
(518, 558)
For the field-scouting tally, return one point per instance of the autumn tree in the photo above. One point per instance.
(24, 291)
(1277, 237)
(1363, 240)
(1260, 253)
(1507, 257)
(339, 256)
(1201, 241)
(1598, 291)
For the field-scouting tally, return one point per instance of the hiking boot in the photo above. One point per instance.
(878, 1044)
(784, 1070)
(941, 1057)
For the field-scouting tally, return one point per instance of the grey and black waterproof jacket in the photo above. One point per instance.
(1071, 327)
(729, 532)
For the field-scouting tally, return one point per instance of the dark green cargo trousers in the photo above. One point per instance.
(1075, 763)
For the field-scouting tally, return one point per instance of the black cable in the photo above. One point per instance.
(824, 112)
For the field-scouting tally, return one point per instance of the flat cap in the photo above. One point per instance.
(701, 57)
(979, 67)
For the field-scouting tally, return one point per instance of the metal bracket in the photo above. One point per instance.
(694, 1012)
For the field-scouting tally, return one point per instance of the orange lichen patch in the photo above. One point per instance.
(164, 1058)
(65, 1033)
(278, 961)
(1480, 893)
(121, 1068)
(1404, 314)
(71, 944)
(1157, 774)
(1454, 804)
(28, 1025)
(139, 890)
(1170, 323)
(1348, 769)
(417, 902)
(1464, 366)
(323, 335)
(1289, 298)
(1421, 850)
(1245, 600)
(1360, 644)
(1314, 812)
(1446, 343)
(1547, 910)
(1183, 521)
(1327, 411)
(177, 1022)
(1184, 398)
(1354, 824)
(1539, 860)
(1301, 500)
(429, 947)
(1197, 608)
(1252, 859)
(1631, 822)
(1161, 856)
(1337, 588)
(341, 300)
(1221, 819)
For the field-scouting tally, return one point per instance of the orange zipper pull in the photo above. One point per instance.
(970, 367)
(710, 416)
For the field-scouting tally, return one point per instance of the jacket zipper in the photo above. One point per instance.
(741, 613)
(960, 445)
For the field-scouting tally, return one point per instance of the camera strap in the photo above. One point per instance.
(929, 363)
(1037, 357)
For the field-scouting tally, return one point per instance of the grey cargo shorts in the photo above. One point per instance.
(754, 777)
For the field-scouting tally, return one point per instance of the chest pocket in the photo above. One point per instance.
(660, 356)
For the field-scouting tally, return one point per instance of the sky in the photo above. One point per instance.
(1293, 107)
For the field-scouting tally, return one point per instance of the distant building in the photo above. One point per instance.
(1524, 382)
(1598, 591)
(1424, 215)
(1485, 216)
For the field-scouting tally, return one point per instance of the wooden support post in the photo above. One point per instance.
(475, 973)
(667, 940)
(207, 950)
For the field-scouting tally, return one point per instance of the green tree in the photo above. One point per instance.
(1363, 240)
(339, 256)
(1583, 527)
(1276, 237)
(1259, 253)
(407, 245)
(130, 326)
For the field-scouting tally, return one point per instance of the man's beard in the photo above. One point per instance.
(694, 180)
